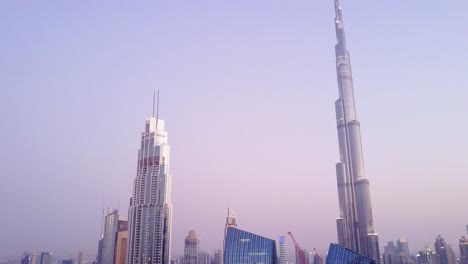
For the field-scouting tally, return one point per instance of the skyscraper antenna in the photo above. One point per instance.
(157, 110)
(154, 95)
(102, 219)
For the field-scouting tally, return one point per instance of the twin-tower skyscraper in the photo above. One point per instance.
(355, 225)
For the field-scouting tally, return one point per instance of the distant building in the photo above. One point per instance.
(80, 257)
(26, 259)
(340, 255)
(427, 256)
(108, 240)
(99, 253)
(443, 252)
(463, 245)
(218, 257)
(175, 261)
(121, 240)
(67, 261)
(112, 247)
(282, 250)
(204, 258)
(245, 247)
(38, 258)
(398, 254)
(191, 248)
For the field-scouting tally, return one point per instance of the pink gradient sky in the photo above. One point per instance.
(247, 92)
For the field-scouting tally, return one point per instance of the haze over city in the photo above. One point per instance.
(247, 95)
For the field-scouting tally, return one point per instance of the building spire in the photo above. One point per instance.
(338, 14)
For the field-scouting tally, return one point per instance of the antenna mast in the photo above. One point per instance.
(157, 109)
(154, 95)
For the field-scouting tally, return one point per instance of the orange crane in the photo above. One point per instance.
(299, 250)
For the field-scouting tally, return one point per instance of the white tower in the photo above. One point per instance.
(150, 212)
(355, 224)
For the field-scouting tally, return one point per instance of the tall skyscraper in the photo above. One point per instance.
(108, 241)
(218, 257)
(443, 252)
(204, 258)
(80, 257)
(463, 250)
(121, 240)
(282, 250)
(150, 211)
(191, 248)
(355, 224)
(398, 254)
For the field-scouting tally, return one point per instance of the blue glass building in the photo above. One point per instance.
(242, 247)
(341, 255)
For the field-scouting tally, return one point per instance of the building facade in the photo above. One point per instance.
(443, 252)
(397, 254)
(247, 248)
(463, 246)
(111, 223)
(355, 224)
(204, 258)
(150, 212)
(282, 250)
(120, 245)
(191, 248)
(341, 255)
(218, 257)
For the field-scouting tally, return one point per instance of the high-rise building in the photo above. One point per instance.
(427, 256)
(150, 211)
(463, 245)
(121, 240)
(355, 224)
(231, 221)
(339, 255)
(99, 253)
(80, 257)
(26, 259)
(191, 248)
(218, 257)
(111, 222)
(67, 261)
(398, 254)
(204, 258)
(37, 258)
(443, 252)
(282, 250)
(245, 247)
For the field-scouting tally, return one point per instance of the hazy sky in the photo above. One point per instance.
(247, 92)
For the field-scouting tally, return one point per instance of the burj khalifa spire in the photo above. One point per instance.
(355, 224)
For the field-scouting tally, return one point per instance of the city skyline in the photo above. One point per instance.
(76, 83)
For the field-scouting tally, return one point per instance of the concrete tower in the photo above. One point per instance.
(150, 210)
(191, 248)
(355, 224)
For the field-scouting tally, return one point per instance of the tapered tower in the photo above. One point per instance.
(355, 224)
(150, 211)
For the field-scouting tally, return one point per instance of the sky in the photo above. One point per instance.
(247, 92)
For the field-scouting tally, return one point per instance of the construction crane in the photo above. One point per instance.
(299, 250)
(319, 259)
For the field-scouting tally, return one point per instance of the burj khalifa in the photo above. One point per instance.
(355, 224)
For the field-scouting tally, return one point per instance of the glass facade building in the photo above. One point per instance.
(242, 247)
(341, 255)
